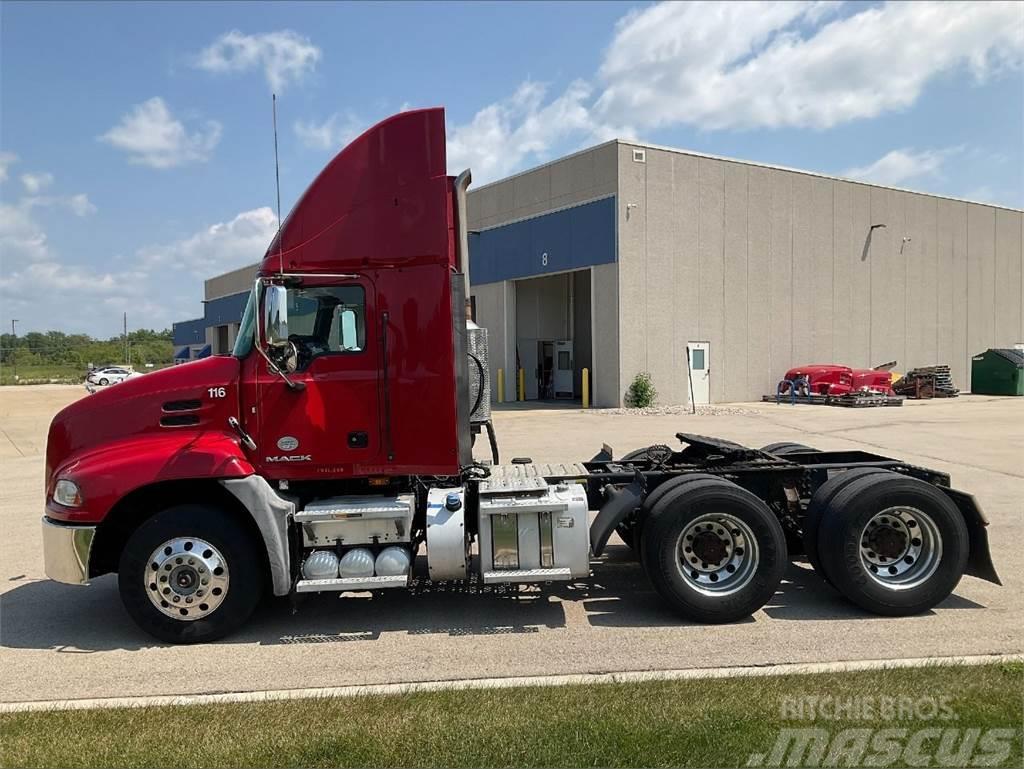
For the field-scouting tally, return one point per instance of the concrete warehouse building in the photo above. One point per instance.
(622, 257)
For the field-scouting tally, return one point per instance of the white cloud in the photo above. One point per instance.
(21, 237)
(902, 166)
(503, 136)
(152, 136)
(218, 248)
(7, 159)
(747, 65)
(162, 284)
(332, 134)
(33, 183)
(81, 205)
(284, 56)
(744, 66)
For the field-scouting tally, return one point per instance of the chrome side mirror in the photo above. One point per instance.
(275, 315)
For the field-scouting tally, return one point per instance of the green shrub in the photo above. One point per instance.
(641, 393)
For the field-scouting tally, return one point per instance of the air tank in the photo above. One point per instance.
(356, 563)
(321, 564)
(393, 562)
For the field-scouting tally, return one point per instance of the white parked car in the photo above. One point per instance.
(108, 375)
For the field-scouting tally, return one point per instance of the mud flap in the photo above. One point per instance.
(979, 562)
(619, 504)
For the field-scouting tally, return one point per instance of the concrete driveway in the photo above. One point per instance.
(63, 642)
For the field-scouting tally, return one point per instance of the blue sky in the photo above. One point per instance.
(137, 156)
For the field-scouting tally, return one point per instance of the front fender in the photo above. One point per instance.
(107, 472)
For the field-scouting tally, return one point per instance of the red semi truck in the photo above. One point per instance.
(333, 446)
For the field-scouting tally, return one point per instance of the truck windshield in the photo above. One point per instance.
(244, 340)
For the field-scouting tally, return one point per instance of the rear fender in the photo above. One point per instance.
(979, 561)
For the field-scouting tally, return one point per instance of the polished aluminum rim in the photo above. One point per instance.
(717, 554)
(187, 578)
(900, 547)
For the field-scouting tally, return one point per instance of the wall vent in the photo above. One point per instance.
(639, 156)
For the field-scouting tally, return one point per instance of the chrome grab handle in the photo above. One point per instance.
(246, 439)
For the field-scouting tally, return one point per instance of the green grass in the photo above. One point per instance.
(42, 374)
(682, 723)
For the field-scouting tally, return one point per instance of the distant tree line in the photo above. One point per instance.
(57, 349)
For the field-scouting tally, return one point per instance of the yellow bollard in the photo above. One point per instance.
(501, 385)
(522, 384)
(586, 388)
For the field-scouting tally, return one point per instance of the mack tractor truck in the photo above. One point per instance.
(332, 450)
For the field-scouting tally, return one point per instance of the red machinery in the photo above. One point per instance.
(334, 444)
(830, 379)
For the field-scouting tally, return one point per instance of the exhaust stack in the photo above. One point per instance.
(462, 182)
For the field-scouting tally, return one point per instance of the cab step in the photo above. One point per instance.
(349, 584)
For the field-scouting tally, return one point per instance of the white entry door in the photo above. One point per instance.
(699, 355)
(563, 369)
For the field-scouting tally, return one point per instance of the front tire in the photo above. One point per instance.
(104, 381)
(190, 574)
(713, 550)
(892, 544)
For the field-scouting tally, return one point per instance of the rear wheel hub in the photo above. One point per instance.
(717, 554)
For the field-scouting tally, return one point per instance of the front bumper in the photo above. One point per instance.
(66, 551)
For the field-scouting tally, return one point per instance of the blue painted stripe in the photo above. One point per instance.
(570, 239)
(189, 331)
(216, 312)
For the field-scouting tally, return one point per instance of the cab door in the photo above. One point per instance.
(331, 426)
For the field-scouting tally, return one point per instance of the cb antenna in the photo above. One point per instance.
(277, 180)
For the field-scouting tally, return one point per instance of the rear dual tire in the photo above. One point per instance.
(892, 544)
(712, 550)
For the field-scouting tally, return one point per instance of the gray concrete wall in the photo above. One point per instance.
(776, 268)
(587, 175)
(234, 282)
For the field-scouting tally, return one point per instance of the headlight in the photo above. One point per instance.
(66, 493)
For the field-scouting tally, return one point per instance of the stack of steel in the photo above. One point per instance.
(927, 382)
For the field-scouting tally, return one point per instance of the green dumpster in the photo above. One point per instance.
(998, 372)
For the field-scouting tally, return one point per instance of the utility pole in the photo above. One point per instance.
(126, 338)
(14, 348)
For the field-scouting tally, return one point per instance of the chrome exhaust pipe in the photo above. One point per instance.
(462, 182)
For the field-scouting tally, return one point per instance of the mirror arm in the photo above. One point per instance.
(292, 384)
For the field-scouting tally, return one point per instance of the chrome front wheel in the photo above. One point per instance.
(187, 578)
(192, 573)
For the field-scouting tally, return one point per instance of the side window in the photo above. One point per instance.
(327, 319)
